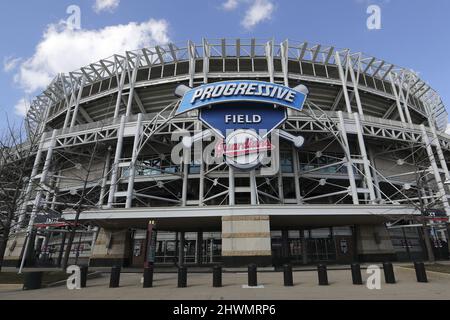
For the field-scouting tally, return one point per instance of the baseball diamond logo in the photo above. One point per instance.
(243, 113)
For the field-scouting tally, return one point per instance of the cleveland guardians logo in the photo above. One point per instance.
(243, 113)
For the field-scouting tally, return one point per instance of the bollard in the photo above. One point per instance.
(33, 281)
(356, 274)
(115, 277)
(217, 276)
(252, 275)
(389, 275)
(288, 278)
(83, 274)
(148, 277)
(421, 273)
(323, 276)
(182, 277)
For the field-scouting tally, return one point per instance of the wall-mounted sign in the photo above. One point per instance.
(242, 90)
(243, 113)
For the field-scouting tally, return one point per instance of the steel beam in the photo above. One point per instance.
(132, 173)
(115, 169)
(349, 161)
(437, 175)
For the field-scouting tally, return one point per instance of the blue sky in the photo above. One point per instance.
(36, 45)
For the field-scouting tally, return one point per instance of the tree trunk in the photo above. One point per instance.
(68, 249)
(3, 244)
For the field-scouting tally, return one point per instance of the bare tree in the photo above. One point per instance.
(18, 147)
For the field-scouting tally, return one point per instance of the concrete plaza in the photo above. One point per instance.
(200, 288)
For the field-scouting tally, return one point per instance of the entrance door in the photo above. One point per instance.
(212, 248)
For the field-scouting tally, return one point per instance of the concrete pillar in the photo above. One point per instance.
(374, 244)
(246, 240)
(111, 248)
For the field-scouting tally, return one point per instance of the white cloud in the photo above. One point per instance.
(230, 5)
(21, 107)
(259, 11)
(106, 5)
(65, 50)
(10, 63)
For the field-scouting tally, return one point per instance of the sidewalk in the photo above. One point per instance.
(200, 288)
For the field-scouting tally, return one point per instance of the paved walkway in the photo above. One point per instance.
(200, 288)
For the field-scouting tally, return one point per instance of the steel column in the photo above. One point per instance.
(253, 189)
(132, 85)
(343, 77)
(77, 104)
(397, 99)
(206, 56)
(37, 200)
(105, 178)
(192, 57)
(440, 152)
(375, 174)
(117, 157)
(349, 163)
(355, 86)
(437, 175)
(137, 136)
(231, 186)
(366, 163)
(34, 172)
(120, 90)
(269, 57)
(296, 165)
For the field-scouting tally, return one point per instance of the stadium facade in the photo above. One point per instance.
(356, 170)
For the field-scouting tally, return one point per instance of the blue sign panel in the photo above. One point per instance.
(244, 115)
(242, 90)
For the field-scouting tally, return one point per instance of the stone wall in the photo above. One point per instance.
(245, 240)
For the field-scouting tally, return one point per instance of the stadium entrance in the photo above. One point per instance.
(309, 246)
(171, 248)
